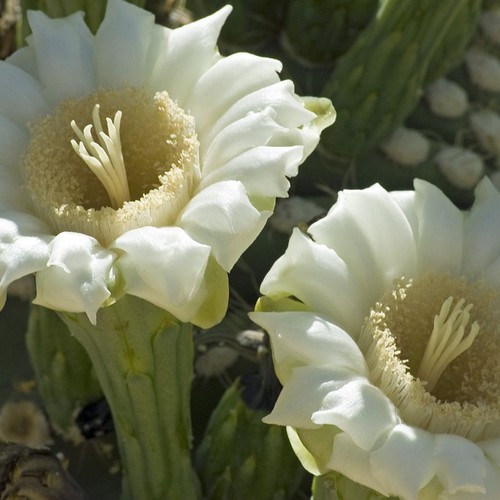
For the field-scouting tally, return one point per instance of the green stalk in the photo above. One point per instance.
(143, 358)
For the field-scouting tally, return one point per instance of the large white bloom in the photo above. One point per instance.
(384, 323)
(140, 160)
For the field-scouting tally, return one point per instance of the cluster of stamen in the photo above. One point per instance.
(104, 158)
(432, 346)
(447, 340)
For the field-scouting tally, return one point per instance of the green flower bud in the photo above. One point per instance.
(64, 374)
(241, 457)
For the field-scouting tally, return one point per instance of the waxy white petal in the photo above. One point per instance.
(222, 217)
(13, 142)
(63, 50)
(440, 230)
(165, 267)
(190, 51)
(317, 276)
(239, 75)
(76, 276)
(22, 99)
(121, 45)
(376, 244)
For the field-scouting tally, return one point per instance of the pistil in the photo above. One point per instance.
(105, 157)
(447, 340)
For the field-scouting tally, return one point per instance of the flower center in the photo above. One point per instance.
(138, 170)
(431, 345)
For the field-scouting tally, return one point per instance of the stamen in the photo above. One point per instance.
(447, 341)
(104, 158)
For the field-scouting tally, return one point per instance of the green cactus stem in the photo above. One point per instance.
(378, 82)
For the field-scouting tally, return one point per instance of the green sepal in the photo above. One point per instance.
(280, 304)
(65, 378)
(214, 307)
(335, 486)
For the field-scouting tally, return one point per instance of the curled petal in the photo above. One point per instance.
(239, 74)
(23, 248)
(76, 277)
(405, 462)
(301, 338)
(262, 170)
(317, 276)
(165, 267)
(63, 50)
(377, 244)
(290, 110)
(223, 217)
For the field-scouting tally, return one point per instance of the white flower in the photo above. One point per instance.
(384, 327)
(140, 161)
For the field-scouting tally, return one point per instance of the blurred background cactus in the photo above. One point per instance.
(416, 86)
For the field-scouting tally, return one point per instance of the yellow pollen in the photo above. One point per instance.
(104, 158)
(447, 340)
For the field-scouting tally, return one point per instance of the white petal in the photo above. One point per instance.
(191, 50)
(121, 45)
(239, 75)
(222, 217)
(405, 462)
(304, 392)
(370, 232)
(354, 463)
(22, 96)
(317, 276)
(13, 143)
(302, 338)
(12, 196)
(360, 409)
(63, 50)
(262, 170)
(440, 231)
(254, 129)
(76, 276)
(290, 110)
(482, 230)
(165, 267)
(24, 58)
(460, 463)
(23, 248)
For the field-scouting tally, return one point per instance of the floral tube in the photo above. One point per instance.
(383, 321)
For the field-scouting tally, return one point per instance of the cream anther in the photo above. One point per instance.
(105, 157)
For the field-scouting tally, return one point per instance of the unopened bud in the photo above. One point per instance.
(486, 126)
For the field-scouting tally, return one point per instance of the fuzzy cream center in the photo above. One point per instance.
(432, 345)
(112, 161)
